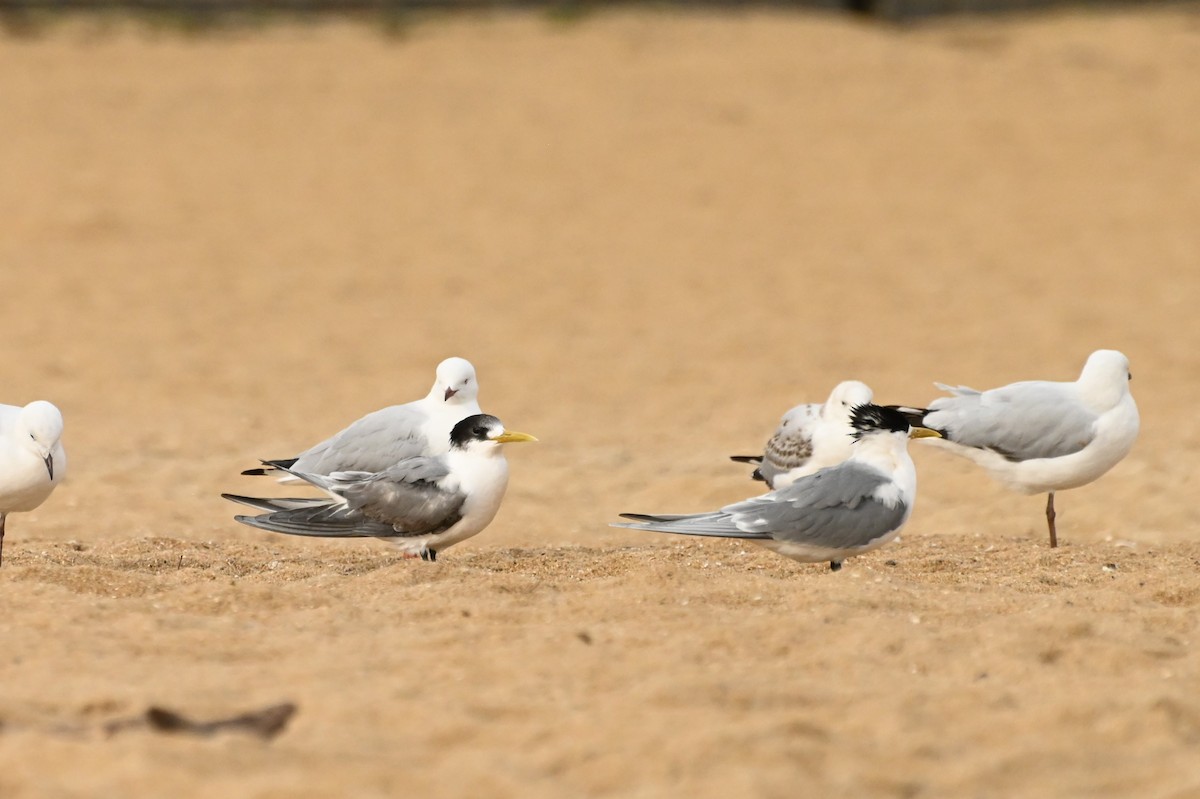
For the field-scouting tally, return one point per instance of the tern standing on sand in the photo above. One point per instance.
(843, 510)
(422, 505)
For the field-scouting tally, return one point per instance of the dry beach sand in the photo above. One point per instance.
(652, 233)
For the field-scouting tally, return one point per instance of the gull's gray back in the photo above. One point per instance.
(372, 444)
(1021, 422)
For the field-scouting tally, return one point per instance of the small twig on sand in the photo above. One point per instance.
(265, 723)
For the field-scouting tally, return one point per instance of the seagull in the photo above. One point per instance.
(848, 509)
(32, 460)
(810, 437)
(385, 437)
(422, 504)
(1039, 436)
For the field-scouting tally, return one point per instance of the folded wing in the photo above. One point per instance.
(838, 507)
(1021, 422)
(409, 499)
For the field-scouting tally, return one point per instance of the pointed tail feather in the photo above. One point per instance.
(657, 518)
(958, 391)
(713, 525)
(270, 467)
(293, 475)
(274, 504)
(755, 460)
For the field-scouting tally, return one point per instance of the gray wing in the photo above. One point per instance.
(409, 496)
(406, 500)
(834, 507)
(372, 444)
(831, 508)
(792, 444)
(329, 521)
(1021, 422)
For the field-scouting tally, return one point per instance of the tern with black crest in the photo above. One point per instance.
(422, 505)
(839, 511)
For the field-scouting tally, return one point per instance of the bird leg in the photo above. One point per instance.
(1050, 516)
(429, 555)
(835, 565)
(1, 539)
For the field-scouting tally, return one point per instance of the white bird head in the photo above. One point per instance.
(483, 432)
(1105, 378)
(455, 382)
(39, 428)
(846, 395)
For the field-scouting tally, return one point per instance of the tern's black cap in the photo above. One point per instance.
(479, 427)
(869, 417)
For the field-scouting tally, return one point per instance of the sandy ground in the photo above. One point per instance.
(652, 233)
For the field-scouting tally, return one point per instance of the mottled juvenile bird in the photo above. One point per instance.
(1039, 436)
(422, 505)
(810, 437)
(32, 460)
(830, 515)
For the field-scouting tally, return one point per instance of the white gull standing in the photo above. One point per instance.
(422, 505)
(810, 437)
(1039, 436)
(32, 460)
(843, 510)
(385, 437)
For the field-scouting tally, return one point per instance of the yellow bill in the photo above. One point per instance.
(512, 436)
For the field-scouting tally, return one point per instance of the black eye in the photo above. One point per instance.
(480, 431)
(1130, 375)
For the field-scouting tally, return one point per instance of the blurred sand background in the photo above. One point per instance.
(652, 233)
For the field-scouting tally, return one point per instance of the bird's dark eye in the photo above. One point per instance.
(480, 431)
(1130, 375)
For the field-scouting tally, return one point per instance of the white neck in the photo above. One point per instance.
(886, 452)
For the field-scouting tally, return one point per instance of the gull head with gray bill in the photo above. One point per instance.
(455, 382)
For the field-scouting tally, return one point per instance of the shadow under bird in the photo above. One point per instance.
(853, 507)
(1039, 436)
(385, 437)
(32, 459)
(422, 505)
(809, 437)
